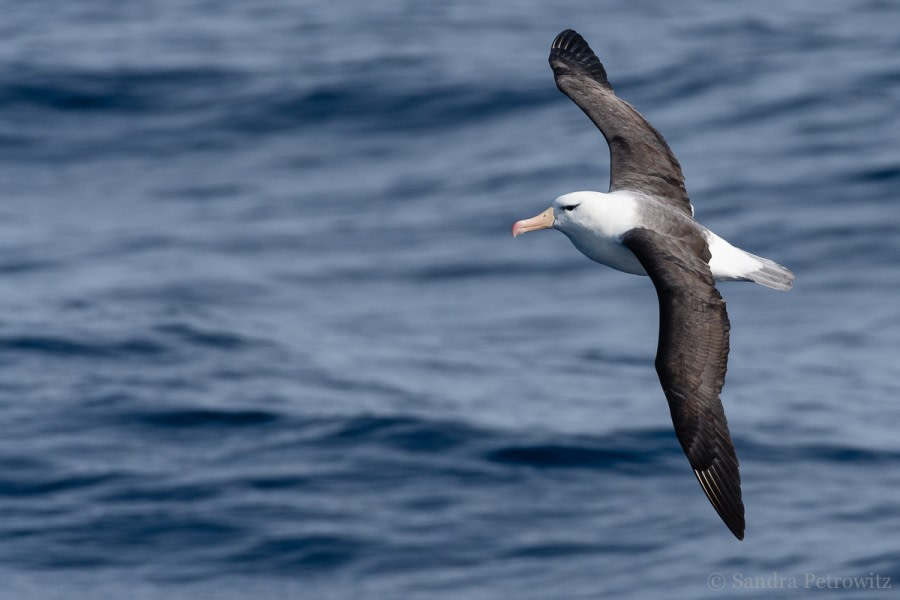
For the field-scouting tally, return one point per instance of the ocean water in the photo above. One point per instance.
(264, 332)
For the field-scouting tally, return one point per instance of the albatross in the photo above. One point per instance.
(645, 225)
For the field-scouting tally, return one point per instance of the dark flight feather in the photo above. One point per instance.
(692, 358)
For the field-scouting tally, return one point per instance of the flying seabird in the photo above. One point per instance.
(645, 225)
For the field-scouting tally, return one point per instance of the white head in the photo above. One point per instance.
(565, 214)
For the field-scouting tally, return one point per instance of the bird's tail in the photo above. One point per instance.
(771, 274)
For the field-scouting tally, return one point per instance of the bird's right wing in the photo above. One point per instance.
(691, 361)
(639, 157)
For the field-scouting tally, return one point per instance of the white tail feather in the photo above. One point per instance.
(729, 263)
(772, 275)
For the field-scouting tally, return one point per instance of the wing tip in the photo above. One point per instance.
(737, 529)
(565, 37)
(571, 47)
(730, 506)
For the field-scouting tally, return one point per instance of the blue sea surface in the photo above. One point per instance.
(264, 332)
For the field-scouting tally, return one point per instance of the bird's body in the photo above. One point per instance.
(645, 225)
(596, 223)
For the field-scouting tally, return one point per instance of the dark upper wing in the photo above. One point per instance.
(640, 159)
(691, 361)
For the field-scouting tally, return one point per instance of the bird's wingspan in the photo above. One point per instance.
(640, 159)
(691, 361)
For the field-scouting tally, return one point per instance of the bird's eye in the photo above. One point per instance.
(570, 207)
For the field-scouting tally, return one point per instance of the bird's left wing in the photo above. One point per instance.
(639, 157)
(691, 360)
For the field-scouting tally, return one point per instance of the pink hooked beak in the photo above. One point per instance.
(542, 221)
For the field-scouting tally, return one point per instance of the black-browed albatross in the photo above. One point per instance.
(645, 225)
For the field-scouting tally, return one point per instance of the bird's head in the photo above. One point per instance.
(563, 214)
